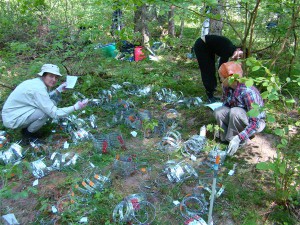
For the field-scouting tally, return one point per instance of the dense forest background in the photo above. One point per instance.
(70, 33)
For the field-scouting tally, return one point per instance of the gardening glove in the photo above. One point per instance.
(62, 87)
(81, 104)
(233, 145)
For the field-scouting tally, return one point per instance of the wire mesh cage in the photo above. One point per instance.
(135, 209)
(179, 172)
(194, 204)
(171, 142)
(39, 168)
(124, 165)
(101, 143)
(194, 145)
(116, 140)
(13, 154)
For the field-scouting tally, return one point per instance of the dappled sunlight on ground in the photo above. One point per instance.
(260, 149)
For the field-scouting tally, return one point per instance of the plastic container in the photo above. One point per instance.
(138, 53)
(109, 50)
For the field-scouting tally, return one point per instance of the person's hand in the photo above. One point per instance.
(238, 54)
(233, 145)
(62, 87)
(81, 104)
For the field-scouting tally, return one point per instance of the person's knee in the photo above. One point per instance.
(235, 112)
(216, 114)
(37, 124)
(220, 112)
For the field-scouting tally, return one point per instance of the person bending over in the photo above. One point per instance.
(206, 48)
(237, 99)
(31, 104)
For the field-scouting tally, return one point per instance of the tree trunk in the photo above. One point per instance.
(171, 23)
(140, 24)
(216, 26)
(206, 23)
(181, 28)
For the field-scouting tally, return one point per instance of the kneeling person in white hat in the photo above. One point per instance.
(31, 104)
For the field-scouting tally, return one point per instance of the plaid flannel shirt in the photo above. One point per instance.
(244, 97)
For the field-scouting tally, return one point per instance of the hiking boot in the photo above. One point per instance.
(28, 137)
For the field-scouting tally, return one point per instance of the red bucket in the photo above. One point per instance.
(138, 53)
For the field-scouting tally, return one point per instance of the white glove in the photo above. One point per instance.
(233, 145)
(62, 87)
(81, 104)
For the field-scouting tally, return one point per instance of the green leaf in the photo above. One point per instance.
(282, 168)
(209, 127)
(272, 97)
(292, 101)
(265, 166)
(273, 79)
(267, 70)
(265, 84)
(279, 132)
(255, 106)
(269, 88)
(255, 68)
(253, 113)
(248, 63)
(288, 79)
(284, 141)
(265, 95)
(249, 82)
(271, 118)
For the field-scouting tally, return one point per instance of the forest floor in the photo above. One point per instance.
(52, 187)
(245, 201)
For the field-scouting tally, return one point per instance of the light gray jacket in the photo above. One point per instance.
(25, 99)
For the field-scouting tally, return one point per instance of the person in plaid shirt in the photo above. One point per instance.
(238, 99)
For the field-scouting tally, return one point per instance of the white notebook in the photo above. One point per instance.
(214, 105)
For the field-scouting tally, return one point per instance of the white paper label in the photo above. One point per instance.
(66, 145)
(83, 220)
(54, 210)
(36, 182)
(193, 158)
(176, 202)
(231, 172)
(133, 133)
(71, 81)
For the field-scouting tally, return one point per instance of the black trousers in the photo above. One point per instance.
(206, 60)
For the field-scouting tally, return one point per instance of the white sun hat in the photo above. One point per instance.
(49, 68)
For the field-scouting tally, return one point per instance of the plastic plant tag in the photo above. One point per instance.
(203, 131)
(83, 220)
(133, 133)
(193, 158)
(54, 209)
(66, 145)
(231, 172)
(35, 183)
(10, 219)
(176, 202)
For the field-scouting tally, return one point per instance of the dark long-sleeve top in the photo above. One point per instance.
(221, 46)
